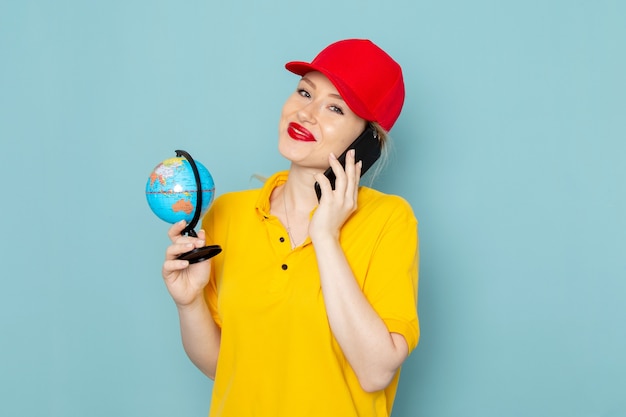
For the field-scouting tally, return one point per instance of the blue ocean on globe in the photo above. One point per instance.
(172, 192)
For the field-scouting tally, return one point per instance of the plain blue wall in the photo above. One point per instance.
(510, 149)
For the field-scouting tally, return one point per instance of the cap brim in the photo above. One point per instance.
(300, 67)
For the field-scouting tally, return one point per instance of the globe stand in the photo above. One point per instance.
(207, 252)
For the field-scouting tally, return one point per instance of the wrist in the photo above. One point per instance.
(196, 304)
(325, 239)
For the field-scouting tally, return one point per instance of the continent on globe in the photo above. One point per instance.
(172, 190)
(182, 189)
(184, 206)
(165, 170)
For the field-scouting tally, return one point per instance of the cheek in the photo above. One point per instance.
(283, 113)
(342, 139)
(283, 120)
(290, 105)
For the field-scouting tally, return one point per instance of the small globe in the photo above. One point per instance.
(172, 191)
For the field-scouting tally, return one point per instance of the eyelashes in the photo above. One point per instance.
(332, 107)
(304, 93)
(336, 109)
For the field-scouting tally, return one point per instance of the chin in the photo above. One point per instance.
(288, 151)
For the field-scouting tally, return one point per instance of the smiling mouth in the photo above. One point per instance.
(298, 132)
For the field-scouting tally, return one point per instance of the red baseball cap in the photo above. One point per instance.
(365, 76)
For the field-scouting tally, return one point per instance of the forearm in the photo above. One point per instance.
(200, 336)
(374, 353)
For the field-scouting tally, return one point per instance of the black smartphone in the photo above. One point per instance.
(366, 148)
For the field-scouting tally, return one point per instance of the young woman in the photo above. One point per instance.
(311, 308)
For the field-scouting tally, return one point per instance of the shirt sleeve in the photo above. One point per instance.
(210, 291)
(392, 278)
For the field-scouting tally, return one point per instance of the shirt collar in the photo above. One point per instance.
(262, 205)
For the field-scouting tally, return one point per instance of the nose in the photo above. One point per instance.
(306, 113)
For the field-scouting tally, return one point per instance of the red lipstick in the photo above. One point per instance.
(300, 133)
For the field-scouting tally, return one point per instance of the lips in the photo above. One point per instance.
(300, 133)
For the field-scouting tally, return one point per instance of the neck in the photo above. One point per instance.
(293, 202)
(299, 192)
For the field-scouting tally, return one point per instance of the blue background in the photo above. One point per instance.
(511, 149)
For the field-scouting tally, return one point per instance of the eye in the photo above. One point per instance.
(336, 109)
(304, 93)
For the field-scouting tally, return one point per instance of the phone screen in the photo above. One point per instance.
(366, 148)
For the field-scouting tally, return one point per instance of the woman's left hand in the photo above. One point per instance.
(336, 205)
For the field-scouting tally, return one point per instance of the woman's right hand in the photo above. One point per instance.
(184, 282)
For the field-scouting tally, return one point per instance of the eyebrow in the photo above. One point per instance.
(312, 84)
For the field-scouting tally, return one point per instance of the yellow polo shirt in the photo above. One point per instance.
(278, 356)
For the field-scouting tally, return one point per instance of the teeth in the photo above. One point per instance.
(302, 133)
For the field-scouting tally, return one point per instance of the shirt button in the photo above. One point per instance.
(282, 239)
(284, 267)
